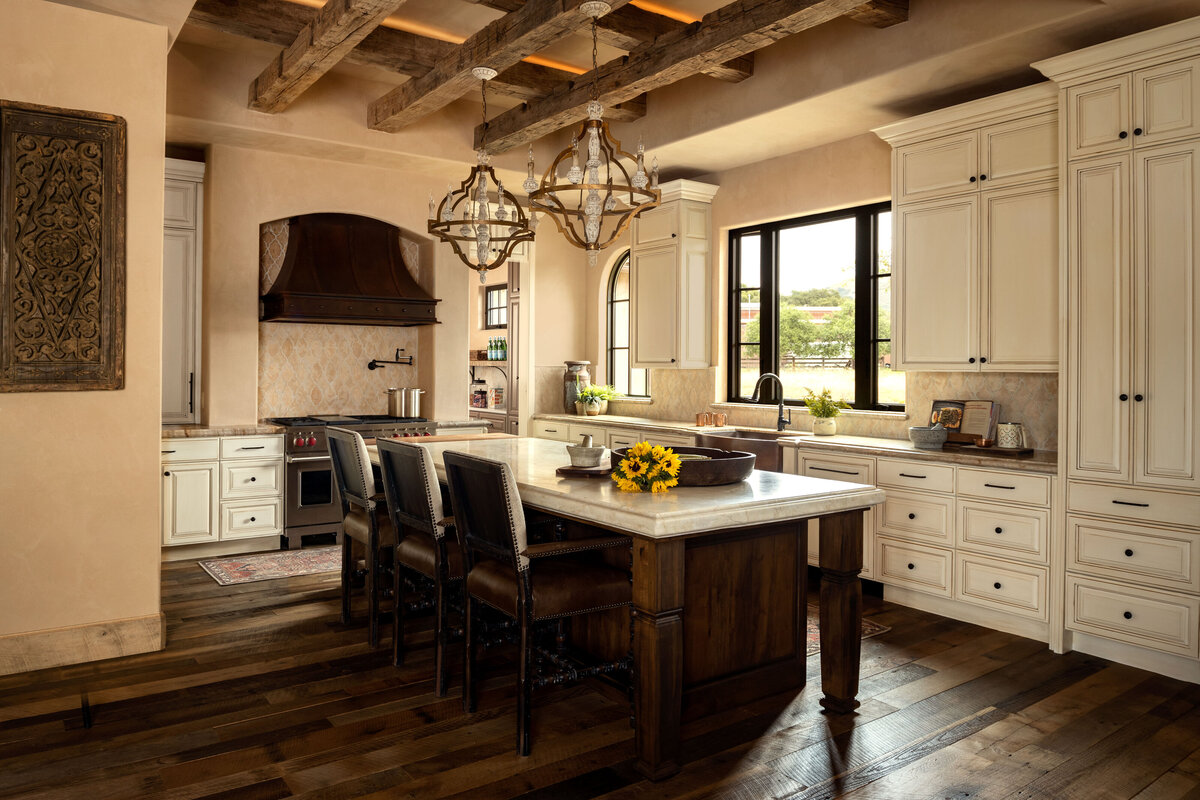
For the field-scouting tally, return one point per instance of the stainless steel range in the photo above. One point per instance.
(310, 506)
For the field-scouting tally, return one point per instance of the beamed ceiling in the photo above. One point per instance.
(541, 49)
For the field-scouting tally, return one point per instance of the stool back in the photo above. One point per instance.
(352, 473)
(487, 508)
(410, 485)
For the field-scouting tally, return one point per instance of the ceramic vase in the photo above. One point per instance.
(824, 426)
(575, 377)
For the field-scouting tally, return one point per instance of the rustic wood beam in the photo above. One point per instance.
(629, 27)
(337, 29)
(881, 13)
(500, 45)
(279, 22)
(734, 30)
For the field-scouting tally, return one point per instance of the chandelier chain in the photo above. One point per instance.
(483, 136)
(595, 62)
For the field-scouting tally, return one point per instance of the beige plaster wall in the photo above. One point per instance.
(79, 479)
(246, 187)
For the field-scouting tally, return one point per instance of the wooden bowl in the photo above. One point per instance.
(721, 466)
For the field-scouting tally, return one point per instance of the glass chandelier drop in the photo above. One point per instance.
(483, 234)
(593, 204)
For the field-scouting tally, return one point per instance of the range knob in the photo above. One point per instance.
(395, 436)
(299, 441)
(312, 441)
(426, 433)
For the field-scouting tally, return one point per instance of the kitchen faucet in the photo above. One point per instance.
(782, 422)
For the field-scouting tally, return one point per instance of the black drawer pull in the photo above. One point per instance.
(998, 486)
(912, 566)
(259, 447)
(1128, 615)
(999, 530)
(1128, 553)
(997, 584)
(837, 471)
(1127, 503)
(165, 452)
(906, 475)
(253, 479)
(912, 516)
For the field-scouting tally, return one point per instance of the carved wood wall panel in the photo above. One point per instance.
(62, 249)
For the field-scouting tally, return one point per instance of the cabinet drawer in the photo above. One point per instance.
(1146, 505)
(620, 437)
(668, 440)
(915, 475)
(189, 450)
(924, 518)
(245, 520)
(598, 433)
(913, 566)
(1002, 531)
(251, 479)
(851, 470)
(549, 430)
(251, 446)
(1133, 553)
(1158, 620)
(1011, 487)
(1012, 588)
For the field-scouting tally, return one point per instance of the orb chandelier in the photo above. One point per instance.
(482, 234)
(591, 206)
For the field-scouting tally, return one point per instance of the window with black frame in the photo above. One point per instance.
(626, 379)
(495, 307)
(810, 301)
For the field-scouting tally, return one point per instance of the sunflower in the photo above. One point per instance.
(647, 468)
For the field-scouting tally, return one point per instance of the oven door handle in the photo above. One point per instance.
(300, 459)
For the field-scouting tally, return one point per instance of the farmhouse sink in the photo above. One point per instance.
(764, 445)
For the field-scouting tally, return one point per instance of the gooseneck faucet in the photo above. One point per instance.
(782, 422)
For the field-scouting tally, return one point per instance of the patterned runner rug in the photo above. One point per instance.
(267, 566)
(869, 629)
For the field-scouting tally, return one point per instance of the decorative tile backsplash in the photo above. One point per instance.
(306, 368)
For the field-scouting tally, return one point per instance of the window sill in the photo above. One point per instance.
(643, 400)
(846, 412)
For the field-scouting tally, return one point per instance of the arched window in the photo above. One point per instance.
(627, 380)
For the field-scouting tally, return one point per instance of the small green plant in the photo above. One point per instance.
(823, 404)
(593, 393)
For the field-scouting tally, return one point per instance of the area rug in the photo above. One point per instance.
(268, 566)
(869, 629)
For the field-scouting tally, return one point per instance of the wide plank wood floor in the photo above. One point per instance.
(262, 694)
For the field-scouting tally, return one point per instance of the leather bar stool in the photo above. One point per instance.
(365, 521)
(426, 541)
(528, 583)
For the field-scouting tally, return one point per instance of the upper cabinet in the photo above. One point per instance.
(975, 258)
(183, 205)
(671, 279)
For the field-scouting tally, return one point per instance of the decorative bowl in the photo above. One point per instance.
(585, 456)
(717, 468)
(927, 438)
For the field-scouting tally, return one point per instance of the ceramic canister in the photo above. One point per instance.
(1010, 435)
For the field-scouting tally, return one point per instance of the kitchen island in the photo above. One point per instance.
(719, 584)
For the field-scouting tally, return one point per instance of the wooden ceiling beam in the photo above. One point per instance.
(279, 22)
(336, 30)
(881, 13)
(500, 45)
(732, 31)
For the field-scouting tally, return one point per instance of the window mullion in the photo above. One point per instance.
(864, 267)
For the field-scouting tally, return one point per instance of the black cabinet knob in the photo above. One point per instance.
(1128, 615)
(983, 359)
(999, 530)
(997, 585)
(1138, 397)
(253, 479)
(912, 516)
(912, 566)
(983, 177)
(1129, 553)
(1137, 131)
(252, 519)
(972, 179)
(1123, 135)
(166, 474)
(1124, 397)
(971, 360)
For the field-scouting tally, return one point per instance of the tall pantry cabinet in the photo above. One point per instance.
(1130, 444)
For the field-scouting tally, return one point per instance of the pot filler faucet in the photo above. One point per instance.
(782, 422)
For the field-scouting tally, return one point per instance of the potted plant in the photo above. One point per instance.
(823, 409)
(593, 399)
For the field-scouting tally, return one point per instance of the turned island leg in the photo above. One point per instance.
(657, 655)
(841, 609)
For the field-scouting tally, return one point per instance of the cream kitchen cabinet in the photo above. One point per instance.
(671, 280)
(183, 208)
(190, 503)
(975, 226)
(850, 470)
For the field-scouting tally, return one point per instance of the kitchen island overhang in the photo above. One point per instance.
(719, 584)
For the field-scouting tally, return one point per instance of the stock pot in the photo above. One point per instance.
(404, 402)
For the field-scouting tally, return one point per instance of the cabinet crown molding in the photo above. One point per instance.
(1027, 101)
(184, 170)
(688, 190)
(1156, 46)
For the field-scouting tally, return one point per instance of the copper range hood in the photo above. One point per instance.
(347, 270)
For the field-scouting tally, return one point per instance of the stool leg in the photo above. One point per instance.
(439, 637)
(397, 615)
(347, 577)
(524, 687)
(469, 694)
(373, 597)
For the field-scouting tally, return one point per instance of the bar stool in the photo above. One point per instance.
(425, 539)
(362, 522)
(528, 583)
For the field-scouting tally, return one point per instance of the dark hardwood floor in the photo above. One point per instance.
(262, 694)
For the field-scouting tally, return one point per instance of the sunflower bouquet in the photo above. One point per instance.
(647, 468)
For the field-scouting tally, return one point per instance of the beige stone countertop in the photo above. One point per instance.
(1045, 461)
(201, 431)
(661, 425)
(764, 497)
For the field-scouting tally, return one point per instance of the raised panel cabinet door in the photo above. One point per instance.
(1166, 334)
(180, 328)
(180, 203)
(189, 503)
(656, 226)
(512, 398)
(937, 168)
(654, 307)
(1099, 313)
(1020, 151)
(1019, 280)
(1166, 102)
(937, 249)
(1098, 113)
